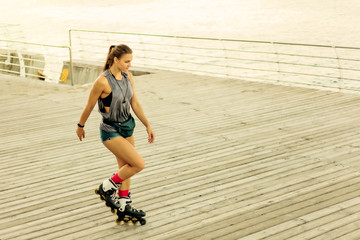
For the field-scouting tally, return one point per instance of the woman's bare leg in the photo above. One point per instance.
(125, 152)
(130, 162)
(125, 185)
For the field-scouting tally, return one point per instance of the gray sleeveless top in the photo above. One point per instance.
(120, 104)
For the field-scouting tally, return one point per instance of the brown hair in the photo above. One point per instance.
(116, 51)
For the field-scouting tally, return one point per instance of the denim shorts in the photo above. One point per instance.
(124, 130)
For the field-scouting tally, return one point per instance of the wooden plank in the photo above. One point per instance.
(232, 160)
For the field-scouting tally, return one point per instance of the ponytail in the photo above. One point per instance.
(109, 61)
(116, 51)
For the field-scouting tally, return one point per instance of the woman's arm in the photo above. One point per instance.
(139, 112)
(95, 93)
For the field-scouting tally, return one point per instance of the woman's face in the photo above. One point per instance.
(124, 63)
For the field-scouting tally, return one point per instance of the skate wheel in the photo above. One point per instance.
(134, 221)
(118, 221)
(142, 221)
(113, 210)
(128, 208)
(96, 191)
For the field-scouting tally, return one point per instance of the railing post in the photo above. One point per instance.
(341, 80)
(278, 61)
(21, 64)
(141, 40)
(181, 53)
(71, 66)
(226, 57)
(70, 37)
(70, 60)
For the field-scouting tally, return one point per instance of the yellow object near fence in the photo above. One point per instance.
(64, 75)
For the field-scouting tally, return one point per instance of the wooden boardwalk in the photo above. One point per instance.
(232, 160)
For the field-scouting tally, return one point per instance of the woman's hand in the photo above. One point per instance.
(80, 133)
(151, 135)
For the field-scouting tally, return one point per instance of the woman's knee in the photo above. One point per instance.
(140, 165)
(120, 162)
(125, 154)
(135, 165)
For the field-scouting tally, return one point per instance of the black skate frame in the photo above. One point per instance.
(125, 216)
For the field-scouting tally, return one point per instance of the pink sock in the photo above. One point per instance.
(117, 179)
(123, 193)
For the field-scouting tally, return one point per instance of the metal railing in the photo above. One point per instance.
(34, 60)
(323, 66)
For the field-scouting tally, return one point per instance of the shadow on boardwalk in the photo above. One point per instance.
(232, 160)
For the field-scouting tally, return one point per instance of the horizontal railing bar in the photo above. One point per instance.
(264, 61)
(30, 59)
(270, 53)
(349, 59)
(231, 66)
(281, 54)
(243, 59)
(17, 73)
(258, 78)
(10, 71)
(18, 65)
(246, 68)
(243, 51)
(249, 77)
(35, 44)
(350, 69)
(89, 44)
(236, 50)
(240, 59)
(220, 39)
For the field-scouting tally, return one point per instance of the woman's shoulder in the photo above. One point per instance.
(101, 81)
(130, 76)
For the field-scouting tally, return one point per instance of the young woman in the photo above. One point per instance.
(114, 92)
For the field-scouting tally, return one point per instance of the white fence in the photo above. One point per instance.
(319, 66)
(34, 60)
(324, 66)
